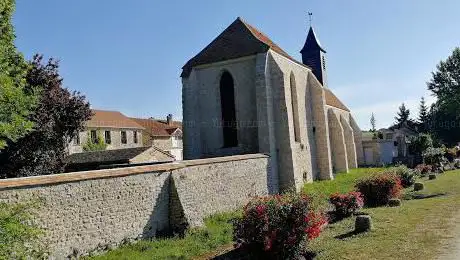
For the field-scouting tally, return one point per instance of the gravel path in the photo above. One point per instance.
(451, 251)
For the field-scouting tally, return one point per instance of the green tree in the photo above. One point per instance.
(16, 103)
(58, 116)
(98, 145)
(423, 116)
(420, 143)
(445, 85)
(402, 116)
(373, 123)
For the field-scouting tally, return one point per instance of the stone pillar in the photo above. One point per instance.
(278, 83)
(321, 128)
(191, 117)
(265, 120)
(349, 143)
(357, 134)
(338, 144)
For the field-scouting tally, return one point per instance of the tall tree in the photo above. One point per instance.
(402, 115)
(16, 103)
(59, 116)
(445, 85)
(423, 115)
(373, 123)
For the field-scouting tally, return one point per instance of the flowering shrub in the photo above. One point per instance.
(406, 175)
(433, 155)
(278, 226)
(424, 169)
(346, 204)
(380, 188)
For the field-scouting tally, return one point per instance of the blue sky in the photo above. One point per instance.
(127, 55)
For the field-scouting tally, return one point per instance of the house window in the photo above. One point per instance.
(174, 141)
(93, 136)
(76, 139)
(389, 136)
(135, 137)
(123, 137)
(227, 105)
(295, 109)
(108, 137)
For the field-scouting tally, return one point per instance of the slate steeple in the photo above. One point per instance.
(314, 56)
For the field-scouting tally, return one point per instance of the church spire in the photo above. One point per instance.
(314, 56)
(312, 42)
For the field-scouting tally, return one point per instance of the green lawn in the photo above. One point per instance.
(416, 230)
(343, 182)
(218, 232)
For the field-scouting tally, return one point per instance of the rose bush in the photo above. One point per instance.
(380, 188)
(424, 169)
(278, 226)
(346, 204)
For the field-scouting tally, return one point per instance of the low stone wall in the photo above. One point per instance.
(87, 210)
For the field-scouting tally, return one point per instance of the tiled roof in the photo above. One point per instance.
(158, 127)
(333, 101)
(238, 40)
(111, 119)
(113, 156)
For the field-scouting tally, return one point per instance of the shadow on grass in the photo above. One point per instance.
(424, 196)
(241, 254)
(347, 235)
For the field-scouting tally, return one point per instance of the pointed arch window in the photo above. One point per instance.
(295, 108)
(227, 105)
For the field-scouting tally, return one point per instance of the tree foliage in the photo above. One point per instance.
(16, 103)
(373, 123)
(19, 236)
(445, 85)
(420, 143)
(402, 116)
(99, 145)
(423, 116)
(60, 114)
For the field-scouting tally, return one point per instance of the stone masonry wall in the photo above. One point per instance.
(338, 143)
(83, 211)
(349, 143)
(302, 156)
(320, 119)
(207, 189)
(358, 141)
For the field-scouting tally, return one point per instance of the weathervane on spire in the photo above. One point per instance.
(309, 17)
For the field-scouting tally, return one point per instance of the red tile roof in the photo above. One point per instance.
(158, 127)
(111, 119)
(239, 40)
(333, 101)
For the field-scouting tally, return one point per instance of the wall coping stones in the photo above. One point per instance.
(118, 172)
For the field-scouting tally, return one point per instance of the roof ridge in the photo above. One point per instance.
(254, 31)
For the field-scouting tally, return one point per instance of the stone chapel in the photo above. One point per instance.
(243, 94)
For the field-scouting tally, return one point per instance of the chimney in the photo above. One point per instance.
(169, 119)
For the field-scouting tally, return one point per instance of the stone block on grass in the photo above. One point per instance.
(418, 186)
(363, 223)
(394, 202)
(432, 176)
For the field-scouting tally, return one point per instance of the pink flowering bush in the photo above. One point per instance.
(346, 204)
(424, 169)
(277, 226)
(380, 188)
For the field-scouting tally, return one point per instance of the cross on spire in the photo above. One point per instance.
(310, 16)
